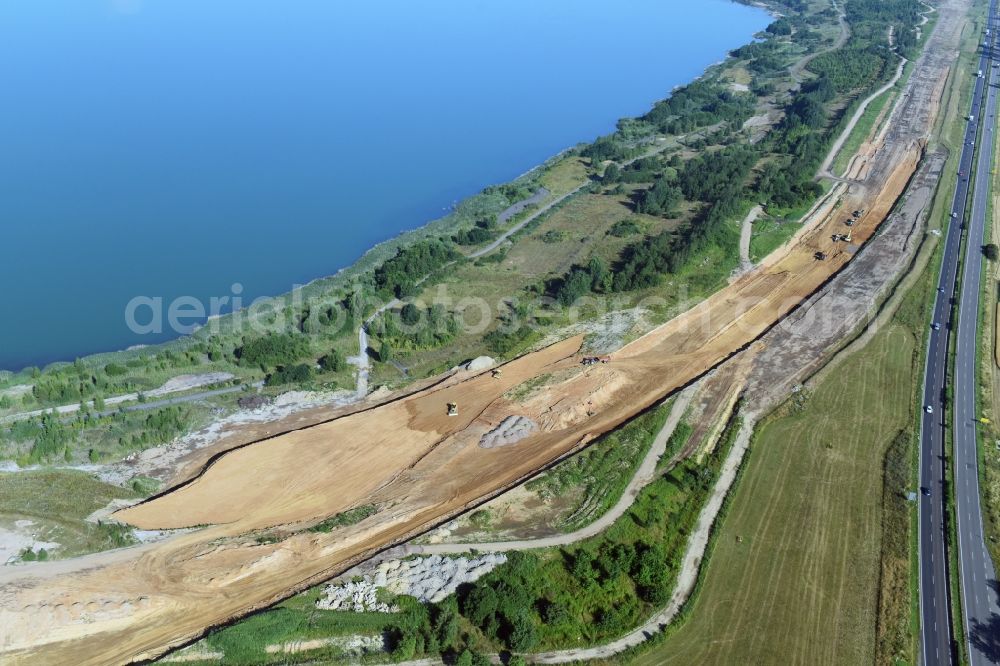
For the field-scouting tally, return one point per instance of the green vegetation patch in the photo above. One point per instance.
(769, 234)
(58, 502)
(52, 438)
(272, 350)
(245, 643)
(346, 518)
(399, 275)
(625, 228)
(894, 631)
(852, 67)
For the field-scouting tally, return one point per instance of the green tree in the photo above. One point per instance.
(523, 635)
(410, 314)
(334, 361)
(574, 285)
(115, 370)
(290, 374)
(598, 273)
(554, 612)
(405, 648)
(583, 569)
(480, 604)
(611, 174)
(651, 575)
(661, 199)
(780, 27)
(399, 275)
(356, 304)
(446, 626)
(992, 252)
(270, 351)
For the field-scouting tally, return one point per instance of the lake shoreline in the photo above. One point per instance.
(374, 254)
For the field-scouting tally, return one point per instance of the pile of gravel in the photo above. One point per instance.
(510, 431)
(429, 579)
(255, 401)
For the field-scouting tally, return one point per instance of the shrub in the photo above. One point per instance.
(333, 362)
(290, 374)
(624, 228)
(273, 350)
(399, 275)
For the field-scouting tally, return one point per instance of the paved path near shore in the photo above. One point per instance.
(194, 397)
(537, 198)
(166, 389)
(845, 31)
(746, 231)
(363, 362)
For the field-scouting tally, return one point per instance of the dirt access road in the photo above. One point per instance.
(418, 466)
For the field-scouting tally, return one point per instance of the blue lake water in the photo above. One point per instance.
(176, 147)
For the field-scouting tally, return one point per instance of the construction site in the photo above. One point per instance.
(428, 453)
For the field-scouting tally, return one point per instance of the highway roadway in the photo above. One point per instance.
(981, 612)
(978, 578)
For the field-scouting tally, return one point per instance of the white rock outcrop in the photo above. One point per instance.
(426, 578)
(480, 363)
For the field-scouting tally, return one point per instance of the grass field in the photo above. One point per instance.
(770, 234)
(59, 516)
(794, 577)
(989, 376)
(294, 619)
